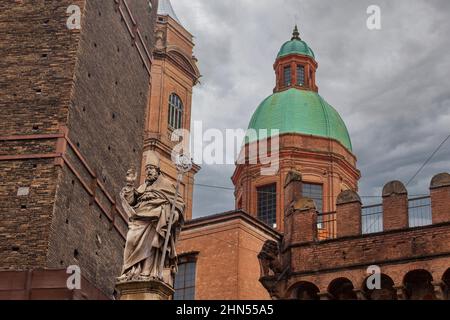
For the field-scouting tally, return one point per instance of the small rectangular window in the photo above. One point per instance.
(314, 192)
(287, 76)
(185, 282)
(300, 75)
(267, 204)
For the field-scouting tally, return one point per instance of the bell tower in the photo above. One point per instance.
(174, 74)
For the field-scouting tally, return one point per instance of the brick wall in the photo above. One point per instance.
(92, 85)
(397, 250)
(37, 65)
(227, 246)
(106, 125)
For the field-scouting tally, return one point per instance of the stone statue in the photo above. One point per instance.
(153, 209)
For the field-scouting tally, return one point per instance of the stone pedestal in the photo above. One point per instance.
(144, 290)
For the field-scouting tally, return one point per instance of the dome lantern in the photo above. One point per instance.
(295, 65)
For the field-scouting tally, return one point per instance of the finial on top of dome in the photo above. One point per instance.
(296, 34)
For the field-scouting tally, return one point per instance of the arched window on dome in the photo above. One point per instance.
(287, 77)
(300, 75)
(175, 112)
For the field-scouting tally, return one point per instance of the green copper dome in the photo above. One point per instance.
(295, 46)
(299, 111)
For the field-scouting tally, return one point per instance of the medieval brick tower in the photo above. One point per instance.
(313, 140)
(72, 109)
(174, 74)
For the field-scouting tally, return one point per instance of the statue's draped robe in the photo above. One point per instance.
(148, 228)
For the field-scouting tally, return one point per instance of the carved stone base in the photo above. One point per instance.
(144, 290)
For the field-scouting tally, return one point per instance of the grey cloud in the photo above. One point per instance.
(391, 86)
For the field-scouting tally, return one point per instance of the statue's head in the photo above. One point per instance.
(152, 167)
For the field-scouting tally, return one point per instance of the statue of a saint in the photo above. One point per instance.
(151, 207)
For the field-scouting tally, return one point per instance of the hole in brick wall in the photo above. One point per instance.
(67, 221)
(15, 248)
(134, 150)
(109, 148)
(35, 127)
(38, 91)
(73, 182)
(113, 115)
(104, 179)
(76, 254)
(118, 49)
(34, 166)
(98, 240)
(44, 55)
(117, 83)
(61, 262)
(14, 94)
(78, 144)
(96, 253)
(84, 109)
(23, 206)
(89, 75)
(95, 45)
(99, 14)
(46, 22)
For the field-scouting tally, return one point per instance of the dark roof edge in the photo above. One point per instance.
(231, 215)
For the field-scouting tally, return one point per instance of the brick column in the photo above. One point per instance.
(348, 214)
(400, 291)
(440, 198)
(439, 290)
(304, 227)
(325, 296)
(292, 188)
(395, 206)
(360, 295)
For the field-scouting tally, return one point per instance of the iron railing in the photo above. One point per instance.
(372, 219)
(419, 211)
(326, 226)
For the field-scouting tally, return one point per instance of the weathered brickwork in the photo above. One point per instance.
(38, 61)
(414, 261)
(24, 227)
(91, 86)
(320, 160)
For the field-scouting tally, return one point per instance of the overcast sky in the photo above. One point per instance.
(391, 86)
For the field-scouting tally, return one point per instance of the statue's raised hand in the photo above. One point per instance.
(131, 177)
